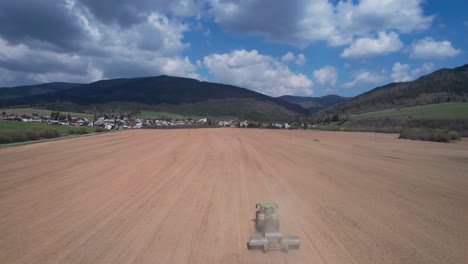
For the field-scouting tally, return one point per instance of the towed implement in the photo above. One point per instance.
(267, 222)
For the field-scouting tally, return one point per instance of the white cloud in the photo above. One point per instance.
(262, 73)
(152, 47)
(22, 58)
(92, 74)
(364, 79)
(400, 72)
(326, 75)
(429, 48)
(403, 72)
(380, 15)
(288, 57)
(300, 60)
(371, 47)
(178, 67)
(303, 22)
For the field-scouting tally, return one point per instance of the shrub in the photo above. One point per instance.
(453, 135)
(427, 134)
(77, 131)
(83, 130)
(32, 135)
(21, 136)
(5, 139)
(100, 129)
(48, 133)
(72, 131)
(18, 136)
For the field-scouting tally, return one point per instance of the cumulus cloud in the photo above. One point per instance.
(262, 73)
(326, 75)
(44, 24)
(429, 48)
(300, 60)
(77, 42)
(380, 15)
(403, 72)
(42, 66)
(126, 13)
(371, 47)
(302, 22)
(364, 79)
(288, 57)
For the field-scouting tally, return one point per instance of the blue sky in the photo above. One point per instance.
(300, 47)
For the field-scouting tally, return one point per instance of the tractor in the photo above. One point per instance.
(266, 217)
(267, 222)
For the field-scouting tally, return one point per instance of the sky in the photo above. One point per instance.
(294, 47)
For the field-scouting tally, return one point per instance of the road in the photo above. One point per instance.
(187, 196)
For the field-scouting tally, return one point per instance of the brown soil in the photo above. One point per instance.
(187, 196)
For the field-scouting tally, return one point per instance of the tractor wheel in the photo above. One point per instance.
(265, 248)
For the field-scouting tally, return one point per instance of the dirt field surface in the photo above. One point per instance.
(187, 196)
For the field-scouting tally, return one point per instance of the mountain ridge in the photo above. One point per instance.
(444, 85)
(35, 89)
(165, 91)
(314, 104)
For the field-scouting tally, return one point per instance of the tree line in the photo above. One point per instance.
(60, 116)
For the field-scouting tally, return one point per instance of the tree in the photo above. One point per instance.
(69, 117)
(252, 125)
(335, 118)
(54, 115)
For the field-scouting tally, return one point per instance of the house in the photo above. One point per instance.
(109, 126)
(73, 122)
(63, 122)
(203, 120)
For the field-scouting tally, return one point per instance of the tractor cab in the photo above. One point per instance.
(266, 217)
(267, 208)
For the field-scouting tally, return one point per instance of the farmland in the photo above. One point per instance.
(40, 112)
(434, 111)
(187, 196)
(160, 115)
(13, 126)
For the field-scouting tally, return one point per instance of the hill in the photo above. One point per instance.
(314, 104)
(445, 85)
(168, 94)
(7, 93)
(435, 101)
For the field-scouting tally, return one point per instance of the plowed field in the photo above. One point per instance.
(187, 196)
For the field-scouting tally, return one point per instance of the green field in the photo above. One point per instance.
(41, 112)
(156, 115)
(13, 126)
(433, 111)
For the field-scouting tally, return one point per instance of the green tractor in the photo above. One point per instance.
(267, 222)
(266, 217)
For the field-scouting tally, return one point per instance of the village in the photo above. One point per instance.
(124, 122)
